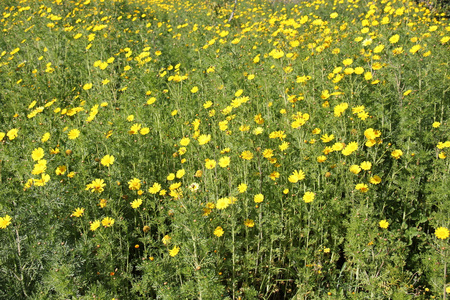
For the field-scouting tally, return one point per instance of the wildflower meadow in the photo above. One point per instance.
(186, 149)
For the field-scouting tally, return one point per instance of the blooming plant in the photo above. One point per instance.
(205, 150)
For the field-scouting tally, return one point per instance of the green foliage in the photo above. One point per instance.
(299, 151)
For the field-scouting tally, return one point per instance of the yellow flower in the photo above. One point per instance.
(274, 175)
(363, 115)
(308, 197)
(155, 188)
(108, 222)
(347, 61)
(321, 158)
(78, 212)
(384, 224)
(180, 173)
(102, 203)
(336, 147)
(96, 185)
(174, 186)
(362, 187)
(144, 131)
(135, 129)
(194, 90)
(45, 137)
(12, 134)
(249, 223)
(174, 251)
(397, 153)
(136, 203)
(166, 239)
(134, 184)
(275, 53)
(242, 188)
(398, 50)
(95, 225)
(350, 148)
(436, 124)
(327, 138)
(73, 134)
(207, 104)
(257, 130)
(107, 160)
(218, 231)
(415, 48)
(340, 109)
(247, 155)
(366, 165)
(375, 179)
(5, 221)
(185, 141)
(378, 49)
(258, 198)
(60, 170)
(283, 146)
(296, 176)
(371, 134)
(359, 70)
(223, 203)
(87, 86)
(267, 153)
(37, 154)
(40, 167)
(259, 119)
(394, 39)
(441, 233)
(210, 163)
(224, 161)
(203, 139)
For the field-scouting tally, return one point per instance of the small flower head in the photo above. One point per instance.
(296, 176)
(441, 233)
(78, 212)
(218, 231)
(258, 198)
(108, 222)
(383, 224)
(193, 186)
(308, 197)
(174, 251)
(136, 203)
(107, 160)
(242, 188)
(73, 134)
(95, 225)
(249, 223)
(134, 184)
(397, 153)
(5, 221)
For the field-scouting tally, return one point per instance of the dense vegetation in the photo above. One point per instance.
(158, 149)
